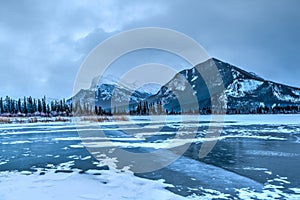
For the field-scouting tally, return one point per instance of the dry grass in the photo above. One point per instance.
(95, 119)
(104, 118)
(5, 120)
(56, 119)
(22, 120)
(33, 120)
(120, 118)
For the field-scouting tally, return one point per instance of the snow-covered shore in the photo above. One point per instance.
(24, 120)
(94, 184)
(241, 119)
(39, 119)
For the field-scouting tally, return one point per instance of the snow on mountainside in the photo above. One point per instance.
(149, 88)
(106, 93)
(109, 80)
(239, 88)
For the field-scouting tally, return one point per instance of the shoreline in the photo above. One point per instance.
(43, 119)
(105, 118)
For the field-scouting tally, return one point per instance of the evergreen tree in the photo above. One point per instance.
(144, 111)
(30, 105)
(48, 109)
(13, 106)
(7, 105)
(25, 105)
(60, 106)
(34, 105)
(19, 106)
(44, 109)
(96, 110)
(39, 106)
(1, 106)
(64, 105)
(100, 110)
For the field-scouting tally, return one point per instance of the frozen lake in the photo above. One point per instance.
(256, 156)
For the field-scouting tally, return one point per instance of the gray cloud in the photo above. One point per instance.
(42, 43)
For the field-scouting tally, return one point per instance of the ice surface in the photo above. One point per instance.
(116, 185)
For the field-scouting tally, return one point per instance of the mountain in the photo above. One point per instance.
(234, 90)
(149, 88)
(109, 91)
(243, 92)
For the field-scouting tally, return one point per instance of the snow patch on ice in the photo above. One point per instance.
(270, 191)
(109, 185)
(76, 146)
(271, 153)
(18, 142)
(210, 194)
(255, 168)
(2, 163)
(296, 190)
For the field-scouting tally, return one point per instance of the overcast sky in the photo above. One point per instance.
(43, 43)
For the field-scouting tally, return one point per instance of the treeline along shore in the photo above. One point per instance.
(40, 107)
